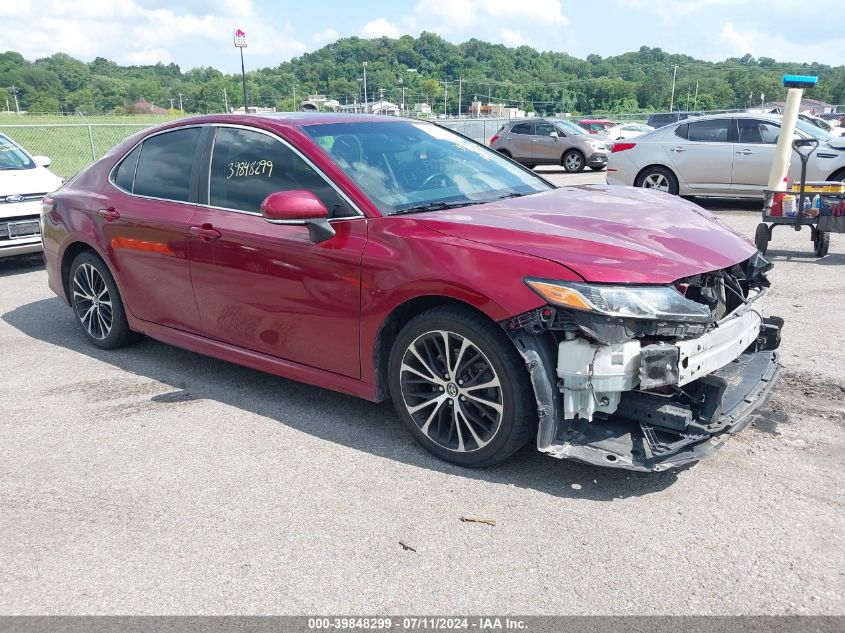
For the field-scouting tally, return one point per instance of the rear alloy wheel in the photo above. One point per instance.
(96, 303)
(460, 387)
(658, 178)
(573, 161)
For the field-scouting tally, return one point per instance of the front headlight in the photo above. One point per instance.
(634, 302)
(599, 147)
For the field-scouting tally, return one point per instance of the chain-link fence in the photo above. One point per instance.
(71, 143)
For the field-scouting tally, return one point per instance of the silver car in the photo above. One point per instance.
(728, 155)
(535, 142)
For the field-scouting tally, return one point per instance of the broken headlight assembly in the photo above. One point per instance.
(659, 303)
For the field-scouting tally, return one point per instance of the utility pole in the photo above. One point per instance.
(695, 100)
(445, 97)
(366, 105)
(460, 80)
(225, 100)
(294, 97)
(171, 102)
(180, 95)
(689, 89)
(672, 100)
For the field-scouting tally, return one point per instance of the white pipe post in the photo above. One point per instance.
(783, 150)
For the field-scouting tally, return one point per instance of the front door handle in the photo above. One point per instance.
(677, 150)
(745, 152)
(205, 232)
(109, 214)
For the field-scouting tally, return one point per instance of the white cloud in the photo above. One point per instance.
(513, 38)
(324, 36)
(737, 41)
(380, 27)
(143, 31)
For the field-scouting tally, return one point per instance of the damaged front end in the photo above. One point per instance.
(648, 377)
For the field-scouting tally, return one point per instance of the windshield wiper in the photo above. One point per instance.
(437, 206)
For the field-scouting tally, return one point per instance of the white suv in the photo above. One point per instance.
(24, 180)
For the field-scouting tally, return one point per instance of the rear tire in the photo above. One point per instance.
(461, 388)
(658, 178)
(96, 303)
(573, 161)
(761, 237)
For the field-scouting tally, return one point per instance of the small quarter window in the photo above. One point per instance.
(124, 175)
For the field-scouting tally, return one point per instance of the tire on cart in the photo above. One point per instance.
(821, 243)
(761, 237)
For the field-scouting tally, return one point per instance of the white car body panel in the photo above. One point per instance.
(21, 191)
(722, 169)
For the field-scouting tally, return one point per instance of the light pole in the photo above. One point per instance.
(672, 100)
(366, 104)
(240, 43)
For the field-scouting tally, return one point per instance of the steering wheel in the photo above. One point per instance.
(444, 180)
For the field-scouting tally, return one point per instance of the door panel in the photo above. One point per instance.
(519, 143)
(546, 148)
(147, 237)
(753, 155)
(704, 160)
(270, 289)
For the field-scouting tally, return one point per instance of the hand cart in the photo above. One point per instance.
(782, 208)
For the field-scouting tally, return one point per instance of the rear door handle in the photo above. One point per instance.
(745, 152)
(677, 149)
(109, 214)
(205, 232)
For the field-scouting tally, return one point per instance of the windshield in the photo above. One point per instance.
(12, 156)
(569, 128)
(408, 166)
(812, 130)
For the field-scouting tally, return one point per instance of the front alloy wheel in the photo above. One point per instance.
(461, 387)
(451, 391)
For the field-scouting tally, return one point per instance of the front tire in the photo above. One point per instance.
(573, 161)
(96, 303)
(658, 178)
(461, 388)
(821, 243)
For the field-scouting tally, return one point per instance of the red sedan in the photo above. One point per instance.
(384, 257)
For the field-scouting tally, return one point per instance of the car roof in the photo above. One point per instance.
(297, 119)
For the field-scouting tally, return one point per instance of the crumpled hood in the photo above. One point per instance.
(603, 233)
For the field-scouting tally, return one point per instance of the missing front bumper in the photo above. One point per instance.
(627, 440)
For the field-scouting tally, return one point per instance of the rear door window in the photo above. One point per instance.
(714, 131)
(164, 166)
(247, 166)
(522, 128)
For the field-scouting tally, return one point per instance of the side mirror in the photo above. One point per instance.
(43, 161)
(298, 207)
(555, 135)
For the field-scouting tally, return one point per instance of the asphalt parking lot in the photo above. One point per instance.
(151, 480)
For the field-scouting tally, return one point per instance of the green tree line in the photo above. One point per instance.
(429, 68)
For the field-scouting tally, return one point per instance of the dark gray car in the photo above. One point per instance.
(541, 141)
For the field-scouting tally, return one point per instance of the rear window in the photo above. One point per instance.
(714, 131)
(164, 166)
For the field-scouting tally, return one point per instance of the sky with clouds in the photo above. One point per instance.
(199, 32)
